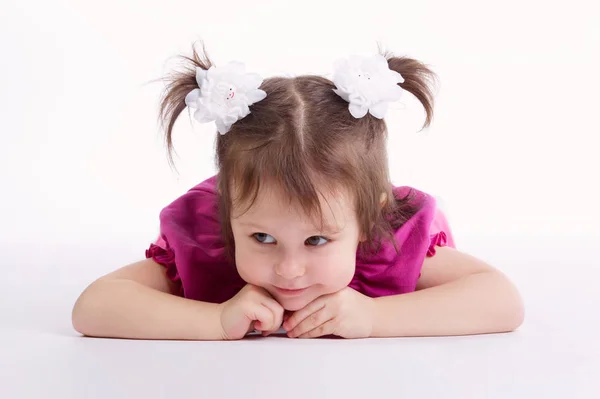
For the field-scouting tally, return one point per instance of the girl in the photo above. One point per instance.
(301, 228)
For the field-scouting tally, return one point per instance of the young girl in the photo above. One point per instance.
(301, 228)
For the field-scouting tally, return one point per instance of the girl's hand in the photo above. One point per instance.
(346, 313)
(251, 309)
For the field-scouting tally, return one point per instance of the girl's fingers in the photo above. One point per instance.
(261, 315)
(324, 329)
(300, 315)
(277, 312)
(312, 322)
(250, 328)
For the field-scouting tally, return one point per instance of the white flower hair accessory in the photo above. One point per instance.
(224, 94)
(367, 83)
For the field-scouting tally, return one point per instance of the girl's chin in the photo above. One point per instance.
(293, 304)
(293, 307)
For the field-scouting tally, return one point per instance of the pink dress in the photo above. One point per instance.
(192, 250)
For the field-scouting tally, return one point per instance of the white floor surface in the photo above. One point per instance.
(555, 354)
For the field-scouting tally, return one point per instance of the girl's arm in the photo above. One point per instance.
(136, 301)
(457, 294)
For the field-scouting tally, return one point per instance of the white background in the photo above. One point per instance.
(511, 153)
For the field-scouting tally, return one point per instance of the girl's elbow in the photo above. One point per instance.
(79, 316)
(508, 302)
(519, 315)
(515, 320)
(82, 317)
(514, 312)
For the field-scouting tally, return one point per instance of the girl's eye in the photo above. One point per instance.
(263, 238)
(316, 241)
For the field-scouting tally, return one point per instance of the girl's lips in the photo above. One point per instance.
(288, 292)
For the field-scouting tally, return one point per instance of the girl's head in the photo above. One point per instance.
(302, 183)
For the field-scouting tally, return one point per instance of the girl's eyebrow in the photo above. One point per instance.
(327, 229)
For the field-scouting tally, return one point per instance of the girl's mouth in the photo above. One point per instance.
(290, 292)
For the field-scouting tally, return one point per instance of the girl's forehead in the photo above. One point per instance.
(273, 203)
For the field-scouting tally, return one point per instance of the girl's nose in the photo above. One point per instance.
(290, 268)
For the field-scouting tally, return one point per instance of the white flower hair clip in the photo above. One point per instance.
(367, 83)
(224, 94)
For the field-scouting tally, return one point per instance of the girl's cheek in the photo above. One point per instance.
(335, 274)
(251, 268)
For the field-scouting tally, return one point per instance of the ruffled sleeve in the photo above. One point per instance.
(440, 234)
(164, 256)
(391, 272)
(191, 248)
(439, 239)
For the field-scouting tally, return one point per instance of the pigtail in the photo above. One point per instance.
(418, 80)
(178, 85)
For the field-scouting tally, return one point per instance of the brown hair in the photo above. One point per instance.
(301, 135)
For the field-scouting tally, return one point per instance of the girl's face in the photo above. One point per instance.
(279, 248)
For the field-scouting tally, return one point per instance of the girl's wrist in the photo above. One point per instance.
(207, 324)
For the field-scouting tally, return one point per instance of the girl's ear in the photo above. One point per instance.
(383, 199)
(362, 237)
